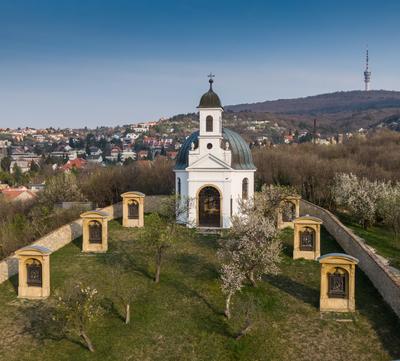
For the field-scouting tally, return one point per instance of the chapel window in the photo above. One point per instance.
(209, 123)
(179, 186)
(245, 188)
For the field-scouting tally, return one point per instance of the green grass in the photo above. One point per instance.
(379, 237)
(181, 318)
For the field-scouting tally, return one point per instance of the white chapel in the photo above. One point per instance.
(214, 169)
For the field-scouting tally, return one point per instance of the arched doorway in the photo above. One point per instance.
(209, 207)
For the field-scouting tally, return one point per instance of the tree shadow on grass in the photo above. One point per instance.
(195, 265)
(125, 260)
(288, 249)
(77, 242)
(109, 306)
(295, 289)
(209, 241)
(328, 243)
(384, 321)
(14, 282)
(41, 323)
(189, 292)
(214, 322)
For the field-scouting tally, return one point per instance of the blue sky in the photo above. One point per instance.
(95, 62)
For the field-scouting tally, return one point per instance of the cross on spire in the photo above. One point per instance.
(211, 76)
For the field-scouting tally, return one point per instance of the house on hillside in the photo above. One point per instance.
(94, 158)
(17, 194)
(95, 151)
(77, 163)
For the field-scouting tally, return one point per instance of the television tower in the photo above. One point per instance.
(367, 73)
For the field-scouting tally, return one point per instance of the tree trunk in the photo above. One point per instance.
(127, 313)
(250, 276)
(87, 341)
(228, 306)
(158, 267)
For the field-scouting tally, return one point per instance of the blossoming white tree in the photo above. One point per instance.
(77, 308)
(252, 247)
(232, 281)
(359, 196)
(389, 207)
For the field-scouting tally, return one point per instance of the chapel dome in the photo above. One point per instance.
(210, 99)
(241, 153)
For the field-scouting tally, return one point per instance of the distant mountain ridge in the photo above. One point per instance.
(343, 101)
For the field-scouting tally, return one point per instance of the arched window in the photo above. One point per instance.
(95, 232)
(34, 273)
(209, 123)
(178, 187)
(245, 188)
(133, 210)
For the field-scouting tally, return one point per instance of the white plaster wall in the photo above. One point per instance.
(237, 178)
(183, 175)
(216, 113)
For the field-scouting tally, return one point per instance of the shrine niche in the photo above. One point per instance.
(33, 272)
(337, 282)
(288, 211)
(133, 209)
(307, 237)
(95, 231)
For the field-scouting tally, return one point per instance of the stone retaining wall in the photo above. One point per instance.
(67, 233)
(385, 278)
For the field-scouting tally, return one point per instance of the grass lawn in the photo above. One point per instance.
(379, 237)
(181, 318)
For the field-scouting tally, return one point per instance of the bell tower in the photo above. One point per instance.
(210, 114)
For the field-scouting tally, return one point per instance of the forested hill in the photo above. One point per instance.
(349, 101)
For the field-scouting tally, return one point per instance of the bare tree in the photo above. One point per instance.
(174, 209)
(123, 291)
(60, 188)
(160, 235)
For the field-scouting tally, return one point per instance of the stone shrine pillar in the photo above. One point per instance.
(307, 237)
(33, 272)
(288, 211)
(132, 209)
(337, 282)
(95, 231)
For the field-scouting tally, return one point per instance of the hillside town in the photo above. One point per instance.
(26, 148)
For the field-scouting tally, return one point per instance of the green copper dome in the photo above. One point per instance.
(210, 99)
(241, 154)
